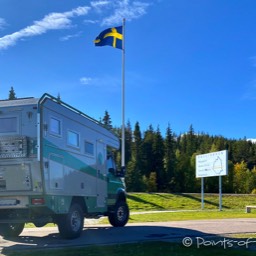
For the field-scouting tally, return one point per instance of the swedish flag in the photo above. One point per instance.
(110, 36)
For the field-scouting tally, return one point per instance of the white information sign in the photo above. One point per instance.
(212, 164)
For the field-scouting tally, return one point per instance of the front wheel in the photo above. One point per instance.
(71, 225)
(11, 230)
(119, 217)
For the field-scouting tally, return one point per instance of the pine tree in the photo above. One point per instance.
(158, 156)
(228, 181)
(12, 95)
(241, 150)
(152, 182)
(107, 120)
(128, 142)
(185, 168)
(136, 146)
(58, 97)
(147, 152)
(191, 141)
(170, 160)
(134, 179)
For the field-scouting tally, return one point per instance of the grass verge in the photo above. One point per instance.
(186, 215)
(166, 201)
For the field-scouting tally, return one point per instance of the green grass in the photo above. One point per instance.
(189, 215)
(165, 201)
(140, 249)
(196, 215)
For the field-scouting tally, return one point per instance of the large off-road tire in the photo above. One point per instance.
(11, 230)
(120, 216)
(71, 225)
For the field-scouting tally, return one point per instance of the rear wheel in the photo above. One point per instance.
(119, 217)
(11, 230)
(71, 225)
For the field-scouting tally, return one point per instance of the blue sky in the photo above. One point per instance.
(187, 61)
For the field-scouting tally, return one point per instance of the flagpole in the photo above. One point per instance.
(123, 99)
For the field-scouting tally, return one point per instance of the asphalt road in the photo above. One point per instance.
(200, 231)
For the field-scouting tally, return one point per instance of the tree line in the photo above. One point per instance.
(156, 163)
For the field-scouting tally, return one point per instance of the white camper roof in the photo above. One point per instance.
(19, 102)
(110, 138)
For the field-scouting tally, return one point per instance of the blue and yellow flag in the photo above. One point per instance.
(110, 36)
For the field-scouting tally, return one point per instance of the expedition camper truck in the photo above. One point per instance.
(55, 168)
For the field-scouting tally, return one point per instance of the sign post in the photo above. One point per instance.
(202, 193)
(211, 165)
(220, 194)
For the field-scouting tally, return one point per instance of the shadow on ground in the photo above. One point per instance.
(103, 235)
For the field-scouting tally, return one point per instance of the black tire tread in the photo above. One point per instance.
(64, 223)
(113, 216)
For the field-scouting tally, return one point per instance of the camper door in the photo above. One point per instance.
(101, 175)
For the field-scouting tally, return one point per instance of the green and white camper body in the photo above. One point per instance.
(55, 167)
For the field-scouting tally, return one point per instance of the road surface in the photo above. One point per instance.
(96, 234)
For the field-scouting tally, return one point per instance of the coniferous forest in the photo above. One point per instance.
(157, 163)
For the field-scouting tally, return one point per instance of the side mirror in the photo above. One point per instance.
(112, 170)
(118, 173)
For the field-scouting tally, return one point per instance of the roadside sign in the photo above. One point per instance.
(212, 164)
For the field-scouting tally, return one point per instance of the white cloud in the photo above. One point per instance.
(125, 9)
(67, 37)
(116, 10)
(85, 80)
(252, 140)
(2, 23)
(52, 21)
(109, 13)
(100, 4)
(90, 21)
(110, 83)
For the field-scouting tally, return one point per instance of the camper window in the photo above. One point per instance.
(8, 125)
(89, 148)
(55, 126)
(73, 139)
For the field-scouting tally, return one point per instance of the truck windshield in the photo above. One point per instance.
(8, 125)
(110, 163)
